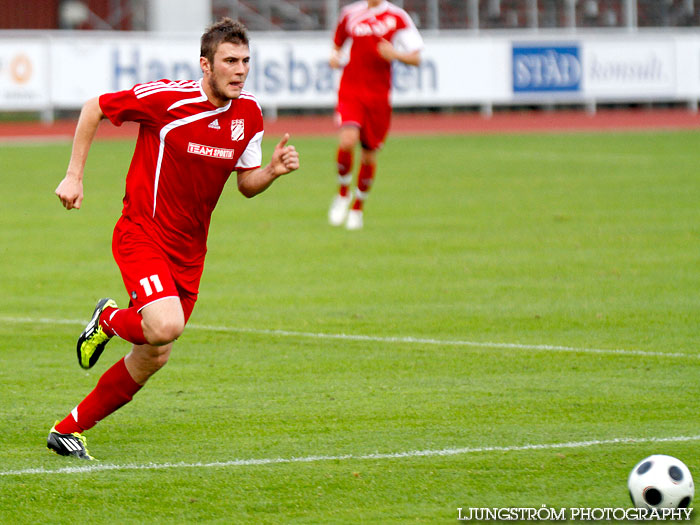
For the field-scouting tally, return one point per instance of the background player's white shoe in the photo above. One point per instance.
(339, 210)
(354, 221)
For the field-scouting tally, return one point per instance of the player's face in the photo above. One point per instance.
(226, 76)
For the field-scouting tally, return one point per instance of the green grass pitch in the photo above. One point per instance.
(507, 292)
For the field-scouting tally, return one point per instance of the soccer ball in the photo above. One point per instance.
(661, 482)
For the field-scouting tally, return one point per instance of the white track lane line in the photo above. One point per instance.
(380, 339)
(100, 467)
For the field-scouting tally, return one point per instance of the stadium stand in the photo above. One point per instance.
(306, 15)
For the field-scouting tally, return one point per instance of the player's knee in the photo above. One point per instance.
(347, 144)
(349, 138)
(164, 331)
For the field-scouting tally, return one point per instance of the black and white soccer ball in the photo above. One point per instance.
(661, 482)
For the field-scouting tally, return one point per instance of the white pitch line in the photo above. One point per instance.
(382, 339)
(98, 467)
(440, 342)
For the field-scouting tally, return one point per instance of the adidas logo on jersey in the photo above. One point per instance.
(215, 124)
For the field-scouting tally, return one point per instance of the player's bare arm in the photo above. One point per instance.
(70, 190)
(335, 58)
(285, 159)
(388, 52)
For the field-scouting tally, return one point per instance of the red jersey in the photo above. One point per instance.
(367, 74)
(185, 152)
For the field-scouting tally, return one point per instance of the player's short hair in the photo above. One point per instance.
(225, 30)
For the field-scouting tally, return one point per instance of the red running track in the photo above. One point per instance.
(418, 123)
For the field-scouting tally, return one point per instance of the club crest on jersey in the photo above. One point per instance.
(237, 129)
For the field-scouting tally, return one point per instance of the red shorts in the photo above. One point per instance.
(148, 274)
(372, 117)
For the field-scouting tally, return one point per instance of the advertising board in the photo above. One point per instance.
(61, 70)
(24, 75)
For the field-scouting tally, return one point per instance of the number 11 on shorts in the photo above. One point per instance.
(147, 285)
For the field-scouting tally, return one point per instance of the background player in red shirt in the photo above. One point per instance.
(380, 32)
(192, 136)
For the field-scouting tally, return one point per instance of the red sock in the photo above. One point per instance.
(344, 167)
(115, 389)
(364, 184)
(124, 323)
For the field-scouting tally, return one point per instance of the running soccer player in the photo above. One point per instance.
(192, 136)
(380, 32)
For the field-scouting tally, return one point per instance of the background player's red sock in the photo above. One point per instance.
(115, 389)
(344, 166)
(364, 184)
(124, 323)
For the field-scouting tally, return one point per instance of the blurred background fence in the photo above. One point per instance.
(312, 15)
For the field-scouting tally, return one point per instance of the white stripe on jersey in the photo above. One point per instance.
(407, 39)
(252, 156)
(247, 95)
(148, 85)
(183, 90)
(359, 11)
(175, 124)
(160, 83)
(184, 101)
(166, 89)
(158, 87)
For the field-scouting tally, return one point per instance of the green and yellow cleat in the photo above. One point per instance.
(73, 444)
(92, 341)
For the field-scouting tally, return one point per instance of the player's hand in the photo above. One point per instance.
(70, 192)
(386, 50)
(285, 158)
(334, 60)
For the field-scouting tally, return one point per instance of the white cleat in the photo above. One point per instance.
(354, 221)
(339, 210)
